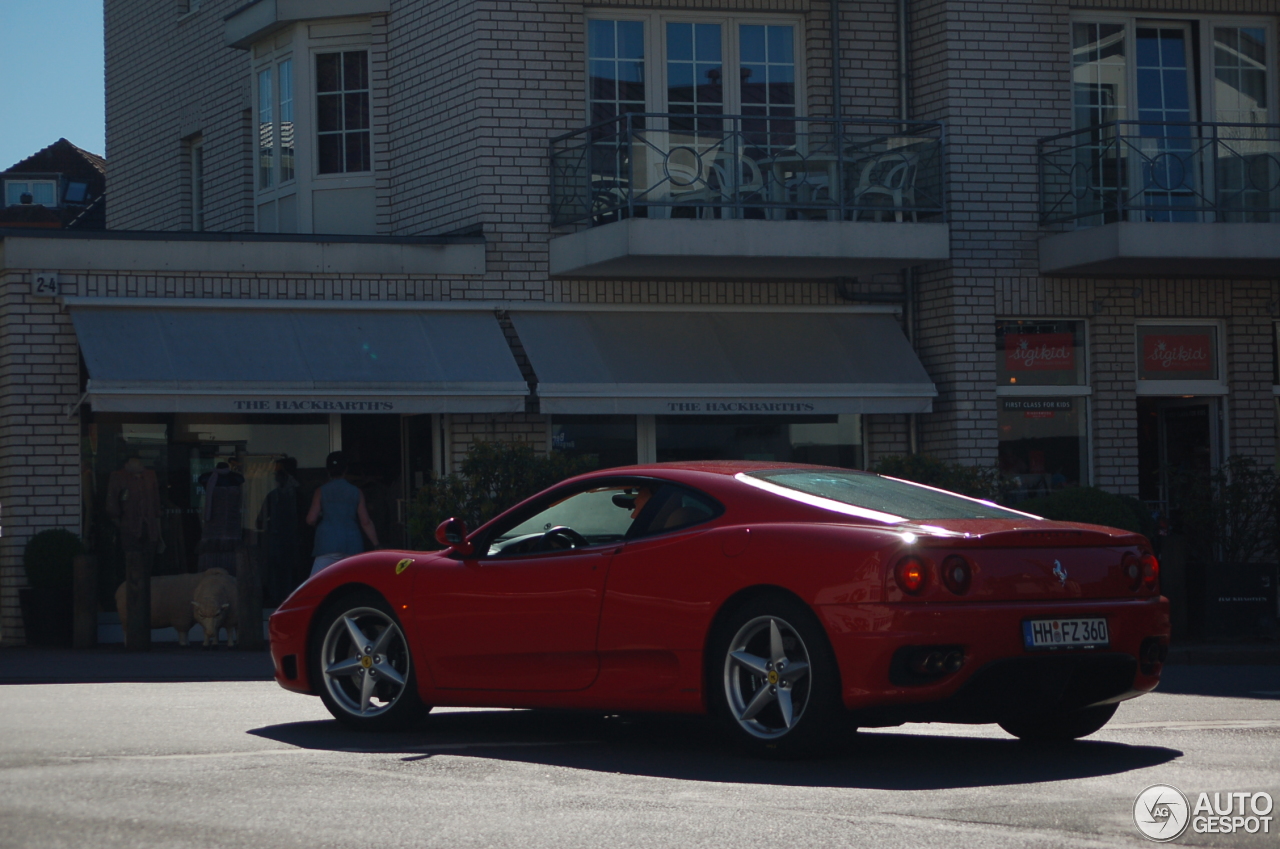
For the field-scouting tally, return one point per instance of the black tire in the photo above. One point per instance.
(1060, 727)
(746, 685)
(340, 668)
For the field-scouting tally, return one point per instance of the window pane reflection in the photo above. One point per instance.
(1042, 445)
(606, 441)
(823, 440)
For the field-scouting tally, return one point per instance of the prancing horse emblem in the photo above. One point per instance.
(1059, 573)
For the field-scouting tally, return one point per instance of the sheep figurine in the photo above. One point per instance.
(180, 601)
(214, 606)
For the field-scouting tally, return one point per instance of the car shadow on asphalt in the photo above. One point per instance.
(1232, 682)
(691, 749)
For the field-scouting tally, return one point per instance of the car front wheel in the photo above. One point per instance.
(361, 660)
(773, 680)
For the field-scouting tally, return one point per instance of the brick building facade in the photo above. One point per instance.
(488, 160)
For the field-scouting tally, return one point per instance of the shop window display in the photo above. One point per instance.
(222, 482)
(1043, 437)
(824, 440)
(1042, 444)
(606, 441)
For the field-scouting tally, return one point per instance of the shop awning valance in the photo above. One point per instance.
(278, 357)
(657, 361)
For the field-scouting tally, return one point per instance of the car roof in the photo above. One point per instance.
(728, 468)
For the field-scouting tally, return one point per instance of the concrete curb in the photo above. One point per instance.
(112, 664)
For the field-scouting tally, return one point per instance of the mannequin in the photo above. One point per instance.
(133, 503)
(279, 520)
(223, 530)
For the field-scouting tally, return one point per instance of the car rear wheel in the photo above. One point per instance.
(772, 678)
(1060, 727)
(361, 660)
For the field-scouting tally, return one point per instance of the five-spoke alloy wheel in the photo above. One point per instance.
(772, 677)
(766, 677)
(361, 662)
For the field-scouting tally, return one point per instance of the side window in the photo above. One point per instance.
(597, 516)
(342, 111)
(675, 507)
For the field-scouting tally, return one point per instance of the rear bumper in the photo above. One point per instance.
(999, 676)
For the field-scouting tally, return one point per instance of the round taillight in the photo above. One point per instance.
(1150, 571)
(957, 574)
(911, 575)
(1132, 567)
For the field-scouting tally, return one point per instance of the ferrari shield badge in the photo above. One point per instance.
(402, 565)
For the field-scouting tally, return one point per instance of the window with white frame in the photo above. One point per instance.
(43, 192)
(312, 118)
(704, 65)
(1202, 92)
(342, 112)
(1180, 357)
(1042, 405)
(275, 124)
(1152, 70)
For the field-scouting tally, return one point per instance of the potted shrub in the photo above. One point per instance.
(46, 602)
(1230, 521)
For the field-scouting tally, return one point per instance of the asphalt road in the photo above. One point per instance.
(246, 764)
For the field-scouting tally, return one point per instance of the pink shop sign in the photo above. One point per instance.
(1039, 352)
(1178, 356)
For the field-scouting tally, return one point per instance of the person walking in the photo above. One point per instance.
(338, 514)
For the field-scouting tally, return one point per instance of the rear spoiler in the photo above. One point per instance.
(1084, 536)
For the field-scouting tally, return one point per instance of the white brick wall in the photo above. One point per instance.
(39, 444)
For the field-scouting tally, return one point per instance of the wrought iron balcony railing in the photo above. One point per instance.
(1154, 171)
(742, 166)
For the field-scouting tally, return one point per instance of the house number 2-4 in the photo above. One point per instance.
(45, 284)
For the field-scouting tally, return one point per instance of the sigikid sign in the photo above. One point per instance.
(1039, 352)
(1177, 352)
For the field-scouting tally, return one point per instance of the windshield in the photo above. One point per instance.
(874, 497)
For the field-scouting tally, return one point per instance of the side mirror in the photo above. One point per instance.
(452, 533)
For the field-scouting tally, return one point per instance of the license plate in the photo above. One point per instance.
(1064, 633)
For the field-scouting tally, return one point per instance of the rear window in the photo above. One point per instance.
(874, 497)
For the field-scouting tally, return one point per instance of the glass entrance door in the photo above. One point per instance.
(1177, 438)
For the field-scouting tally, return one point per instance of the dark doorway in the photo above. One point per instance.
(1175, 436)
(371, 444)
(1177, 444)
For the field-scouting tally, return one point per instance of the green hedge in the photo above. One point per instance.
(493, 477)
(1090, 505)
(974, 481)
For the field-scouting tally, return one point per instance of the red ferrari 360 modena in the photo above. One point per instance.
(790, 602)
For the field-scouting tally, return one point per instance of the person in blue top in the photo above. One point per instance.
(339, 508)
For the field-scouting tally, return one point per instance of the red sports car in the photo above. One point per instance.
(790, 602)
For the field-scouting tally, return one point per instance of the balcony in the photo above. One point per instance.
(655, 196)
(1152, 199)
